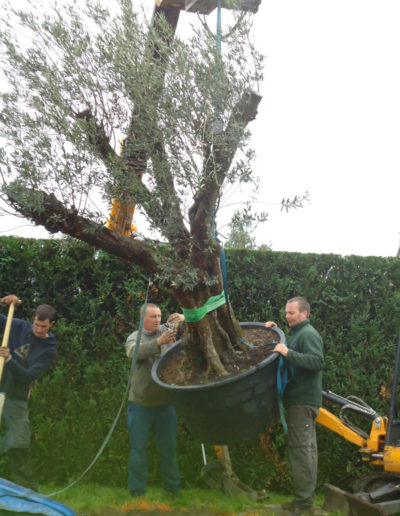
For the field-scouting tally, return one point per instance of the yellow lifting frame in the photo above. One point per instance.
(120, 220)
(206, 6)
(121, 214)
(164, 4)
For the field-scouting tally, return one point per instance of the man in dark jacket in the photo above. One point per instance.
(302, 398)
(30, 351)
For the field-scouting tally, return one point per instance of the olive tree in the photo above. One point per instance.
(110, 105)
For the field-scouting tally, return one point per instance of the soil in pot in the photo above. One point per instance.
(178, 371)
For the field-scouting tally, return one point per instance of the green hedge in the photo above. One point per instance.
(355, 306)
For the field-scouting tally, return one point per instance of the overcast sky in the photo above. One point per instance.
(328, 123)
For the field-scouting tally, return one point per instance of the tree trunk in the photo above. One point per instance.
(210, 344)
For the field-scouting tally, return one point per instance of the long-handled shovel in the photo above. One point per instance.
(4, 344)
(6, 334)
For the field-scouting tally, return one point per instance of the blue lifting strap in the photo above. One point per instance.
(284, 374)
(225, 282)
(138, 337)
(225, 279)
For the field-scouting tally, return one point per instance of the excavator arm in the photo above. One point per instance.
(370, 445)
(377, 493)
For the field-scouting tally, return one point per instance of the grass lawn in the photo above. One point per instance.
(87, 499)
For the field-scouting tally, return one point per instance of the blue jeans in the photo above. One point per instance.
(141, 420)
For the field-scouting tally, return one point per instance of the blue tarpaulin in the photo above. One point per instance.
(18, 499)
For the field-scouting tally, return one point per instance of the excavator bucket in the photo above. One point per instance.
(361, 504)
(337, 500)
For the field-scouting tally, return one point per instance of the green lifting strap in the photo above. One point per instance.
(197, 314)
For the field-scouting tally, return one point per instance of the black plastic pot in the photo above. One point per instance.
(229, 410)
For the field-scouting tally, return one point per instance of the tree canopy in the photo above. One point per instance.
(112, 105)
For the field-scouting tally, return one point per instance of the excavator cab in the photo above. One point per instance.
(393, 430)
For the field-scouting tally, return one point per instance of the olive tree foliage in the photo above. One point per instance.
(245, 221)
(241, 230)
(110, 104)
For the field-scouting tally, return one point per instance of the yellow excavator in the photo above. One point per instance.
(378, 492)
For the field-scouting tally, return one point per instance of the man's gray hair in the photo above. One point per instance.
(147, 305)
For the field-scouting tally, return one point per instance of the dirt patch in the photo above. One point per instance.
(178, 369)
(147, 509)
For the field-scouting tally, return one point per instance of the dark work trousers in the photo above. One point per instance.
(15, 417)
(303, 452)
(141, 420)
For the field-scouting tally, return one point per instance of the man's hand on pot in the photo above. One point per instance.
(281, 348)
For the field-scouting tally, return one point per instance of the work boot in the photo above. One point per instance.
(21, 472)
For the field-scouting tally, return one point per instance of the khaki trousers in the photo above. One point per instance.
(303, 452)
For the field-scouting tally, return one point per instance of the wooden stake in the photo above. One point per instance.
(6, 335)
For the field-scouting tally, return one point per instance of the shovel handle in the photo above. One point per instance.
(6, 334)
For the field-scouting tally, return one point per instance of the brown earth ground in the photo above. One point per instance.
(146, 509)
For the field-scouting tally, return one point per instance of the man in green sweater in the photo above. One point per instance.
(302, 398)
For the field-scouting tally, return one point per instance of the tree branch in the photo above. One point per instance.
(176, 232)
(244, 112)
(218, 159)
(97, 136)
(49, 212)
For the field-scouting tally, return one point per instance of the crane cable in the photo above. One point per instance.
(108, 436)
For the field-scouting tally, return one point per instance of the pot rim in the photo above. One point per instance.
(212, 385)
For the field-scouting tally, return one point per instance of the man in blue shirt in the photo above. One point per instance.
(30, 351)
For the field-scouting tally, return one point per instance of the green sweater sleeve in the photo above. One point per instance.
(308, 351)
